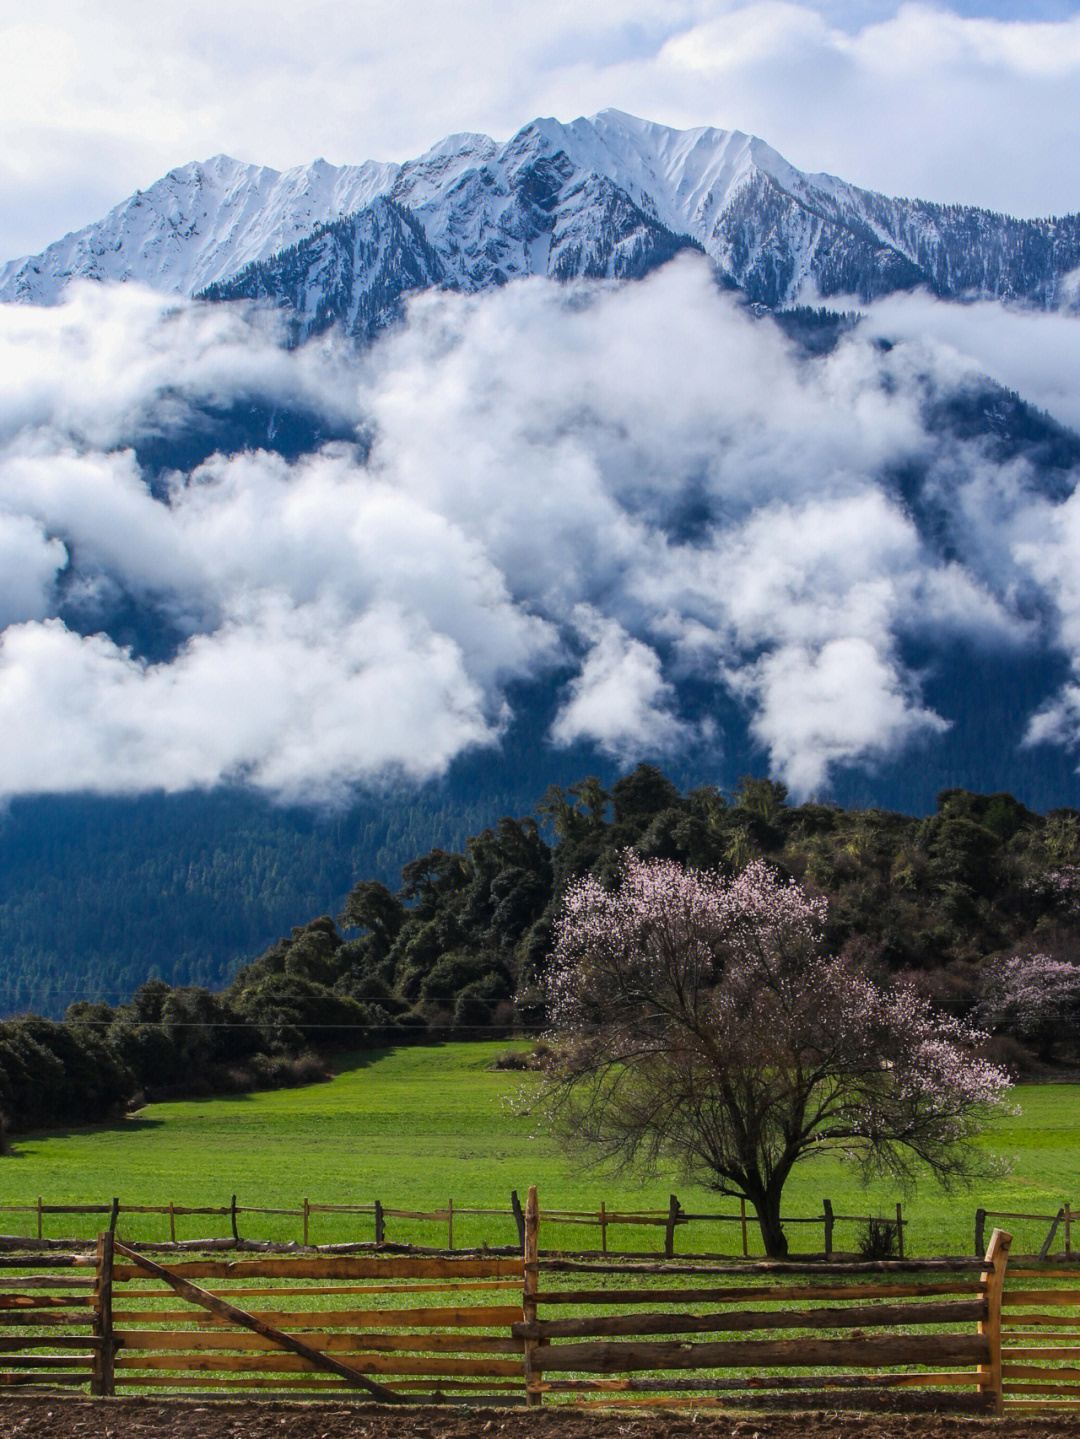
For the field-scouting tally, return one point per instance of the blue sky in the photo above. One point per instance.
(856, 12)
(974, 101)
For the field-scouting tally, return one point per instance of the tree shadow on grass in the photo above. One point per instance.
(348, 1061)
(131, 1123)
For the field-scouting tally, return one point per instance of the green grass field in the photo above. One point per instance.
(413, 1127)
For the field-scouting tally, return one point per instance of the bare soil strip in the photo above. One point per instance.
(43, 1418)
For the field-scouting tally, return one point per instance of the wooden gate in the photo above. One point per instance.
(293, 1325)
(1040, 1337)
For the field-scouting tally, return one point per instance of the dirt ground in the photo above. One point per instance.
(187, 1419)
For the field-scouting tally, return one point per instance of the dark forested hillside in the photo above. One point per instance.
(460, 946)
(100, 893)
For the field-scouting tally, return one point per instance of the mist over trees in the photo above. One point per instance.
(461, 947)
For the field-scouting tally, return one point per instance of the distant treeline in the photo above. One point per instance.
(460, 947)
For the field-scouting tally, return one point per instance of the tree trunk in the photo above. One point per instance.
(772, 1231)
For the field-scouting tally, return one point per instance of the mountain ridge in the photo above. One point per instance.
(610, 196)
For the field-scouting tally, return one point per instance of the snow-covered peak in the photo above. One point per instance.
(200, 223)
(685, 178)
(204, 222)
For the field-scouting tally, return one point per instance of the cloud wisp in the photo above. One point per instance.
(622, 488)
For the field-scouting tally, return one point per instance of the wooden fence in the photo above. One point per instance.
(1063, 1218)
(510, 1225)
(535, 1327)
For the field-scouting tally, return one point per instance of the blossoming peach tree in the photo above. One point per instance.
(1033, 996)
(698, 1019)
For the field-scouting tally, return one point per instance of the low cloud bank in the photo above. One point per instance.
(629, 486)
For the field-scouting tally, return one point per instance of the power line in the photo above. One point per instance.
(290, 1023)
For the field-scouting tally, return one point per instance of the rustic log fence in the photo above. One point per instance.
(511, 1220)
(538, 1326)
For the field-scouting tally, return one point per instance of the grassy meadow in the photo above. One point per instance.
(413, 1127)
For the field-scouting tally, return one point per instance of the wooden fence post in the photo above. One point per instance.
(603, 1227)
(114, 1215)
(101, 1374)
(519, 1218)
(980, 1231)
(232, 1217)
(380, 1223)
(1045, 1250)
(993, 1283)
(172, 1222)
(899, 1231)
(829, 1221)
(530, 1287)
(1068, 1232)
(742, 1217)
(307, 1216)
(669, 1232)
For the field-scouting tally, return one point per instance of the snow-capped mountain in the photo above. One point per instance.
(198, 224)
(607, 196)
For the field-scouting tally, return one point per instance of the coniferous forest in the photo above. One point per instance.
(945, 902)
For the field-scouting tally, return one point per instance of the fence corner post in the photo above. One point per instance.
(232, 1217)
(992, 1280)
(669, 1231)
(102, 1383)
(519, 1218)
(530, 1287)
(826, 1205)
(980, 1231)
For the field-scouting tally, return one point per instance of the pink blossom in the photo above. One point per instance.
(1029, 992)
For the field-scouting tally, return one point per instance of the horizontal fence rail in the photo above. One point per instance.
(540, 1326)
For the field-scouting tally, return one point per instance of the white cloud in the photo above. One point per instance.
(629, 485)
(820, 707)
(115, 363)
(619, 701)
(298, 700)
(29, 562)
(1035, 353)
(105, 96)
